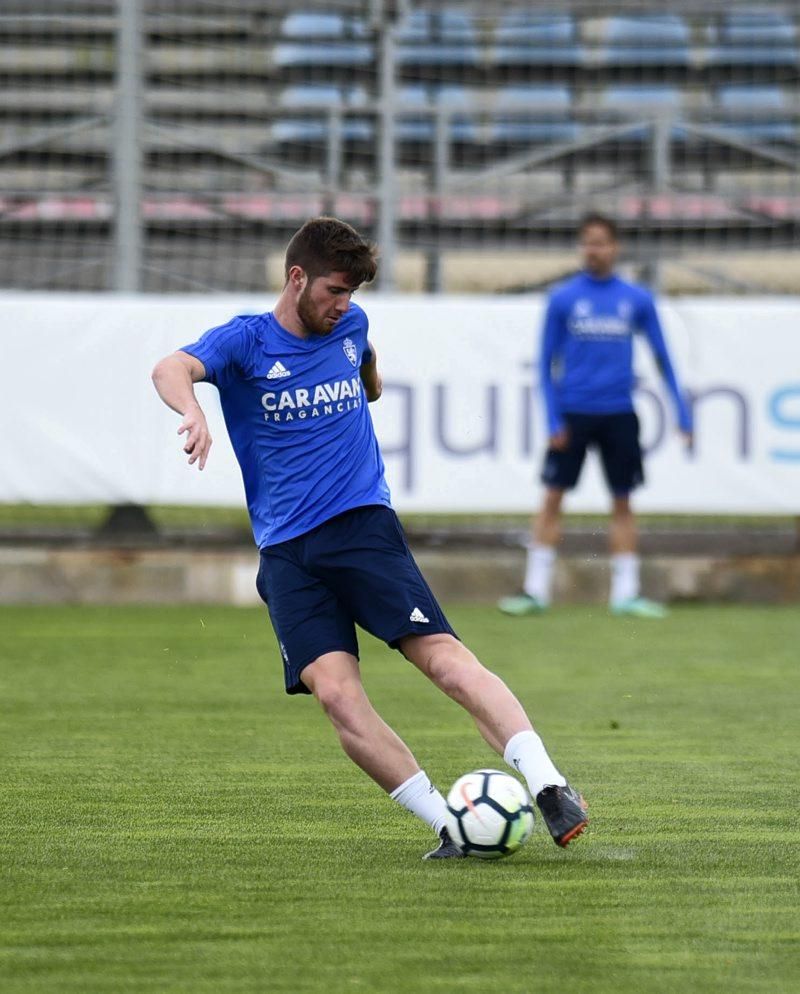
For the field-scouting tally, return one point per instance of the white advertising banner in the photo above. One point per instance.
(460, 426)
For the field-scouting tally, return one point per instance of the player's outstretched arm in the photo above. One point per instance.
(370, 377)
(174, 378)
(655, 336)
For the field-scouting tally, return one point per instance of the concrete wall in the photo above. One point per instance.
(41, 575)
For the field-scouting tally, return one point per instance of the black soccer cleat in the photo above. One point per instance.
(447, 849)
(564, 812)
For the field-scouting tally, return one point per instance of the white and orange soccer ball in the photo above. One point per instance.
(489, 814)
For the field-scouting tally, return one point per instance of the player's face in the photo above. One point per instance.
(323, 301)
(599, 250)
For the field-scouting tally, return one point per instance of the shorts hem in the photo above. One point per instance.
(394, 643)
(297, 686)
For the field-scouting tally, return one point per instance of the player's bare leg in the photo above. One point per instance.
(545, 536)
(335, 680)
(623, 540)
(503, 723)
(623, 535)
(547, 523)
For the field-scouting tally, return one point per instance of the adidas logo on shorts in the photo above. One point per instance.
(418, 616)
(278, 372)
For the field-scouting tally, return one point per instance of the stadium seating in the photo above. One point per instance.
(755, 39)
(523, 38)
(441, 38)
(540, 114)
(417, 108)
(644, 101)
(326, 100)
(243, 99)
(323, 40)
(646, 40)
(755, 113)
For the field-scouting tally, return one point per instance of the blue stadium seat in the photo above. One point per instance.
(752, 97)
(314, 128)
(421, 128)
(739, 108)
(648, 97)
(644, 100)
(324, 40)
(457, 98)
(523, 38)
(414, 128)
(312, 25)
(757, 38)
(647, 39)
(742, 28)
(442, 38)
(543, 115)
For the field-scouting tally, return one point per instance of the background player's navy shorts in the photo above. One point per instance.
(617, 438)
(355, 568)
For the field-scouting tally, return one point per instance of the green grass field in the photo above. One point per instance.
(171, 821)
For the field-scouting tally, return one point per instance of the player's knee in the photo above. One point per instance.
(454, 670)
(340, 700)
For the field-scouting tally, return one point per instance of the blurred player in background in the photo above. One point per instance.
(586, 376)
(293, 385)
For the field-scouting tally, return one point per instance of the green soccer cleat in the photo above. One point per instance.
(640, 607)
(520, 605)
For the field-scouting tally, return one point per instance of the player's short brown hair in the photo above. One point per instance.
(596, 219)
(327, 245)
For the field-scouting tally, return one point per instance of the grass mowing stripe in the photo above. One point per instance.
(171, 821)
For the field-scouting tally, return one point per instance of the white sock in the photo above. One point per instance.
(525, 751)
(539, 572)
(624, 577)
(421, 798)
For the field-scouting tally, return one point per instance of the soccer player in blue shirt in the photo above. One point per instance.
(586, 376)
(294, 386)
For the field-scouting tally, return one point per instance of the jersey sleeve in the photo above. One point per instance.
(651, 326)
(550, 347)
(222, 351)
(363, 329)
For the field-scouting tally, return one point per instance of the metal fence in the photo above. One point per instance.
(174, 146)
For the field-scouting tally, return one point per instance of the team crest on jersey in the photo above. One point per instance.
(583, 308)
(350, 351)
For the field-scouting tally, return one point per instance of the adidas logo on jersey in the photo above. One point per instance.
(418, 616)
(278, 372)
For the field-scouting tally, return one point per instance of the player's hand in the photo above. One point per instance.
(198, 440)
(560, 440)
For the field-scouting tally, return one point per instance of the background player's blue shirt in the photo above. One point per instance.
(586, 358)
(298, 420)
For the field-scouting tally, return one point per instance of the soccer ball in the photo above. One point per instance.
(489, 814)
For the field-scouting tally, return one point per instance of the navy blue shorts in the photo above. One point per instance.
(616, 436)
(355, 569)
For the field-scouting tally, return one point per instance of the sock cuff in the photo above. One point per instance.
(624, 557)
(544, 553)
(419, 779)
(513, 744)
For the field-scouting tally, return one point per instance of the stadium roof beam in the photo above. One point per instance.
(45, 135)
(262, 165)
(540, 157)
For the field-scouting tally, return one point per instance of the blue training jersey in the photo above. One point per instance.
(586, 357)
(297, 419)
